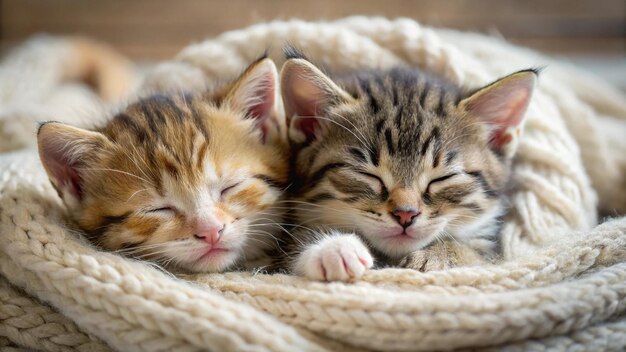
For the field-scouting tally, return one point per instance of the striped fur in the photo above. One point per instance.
(372, 142)
(168, 166)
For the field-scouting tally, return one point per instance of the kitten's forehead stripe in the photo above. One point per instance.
(321, 172)
(129, 123)
(358, 154)
(424, 93)
(380, 124)
(440, 106)
(399, 113)
(394, 95)
(374, 155)
(450, 156)
(388, 138)
(373, 104)
(436, 159)
(197, 119)
(434, 140)
(150, 118)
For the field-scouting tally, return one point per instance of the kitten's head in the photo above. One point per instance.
(400, 157)
(182, 179)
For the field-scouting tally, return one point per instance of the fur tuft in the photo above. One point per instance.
(292, 52)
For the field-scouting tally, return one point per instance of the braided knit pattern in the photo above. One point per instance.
(29, 323)
(562, 285)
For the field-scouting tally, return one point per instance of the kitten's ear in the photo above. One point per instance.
(64, 150)
(502, 105)
(255, 94)
(307, 94)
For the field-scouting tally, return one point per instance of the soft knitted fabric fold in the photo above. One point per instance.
(561, 285)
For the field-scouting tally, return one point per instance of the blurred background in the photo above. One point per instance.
(589, 33)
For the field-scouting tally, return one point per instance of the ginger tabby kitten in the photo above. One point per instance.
(187, 180)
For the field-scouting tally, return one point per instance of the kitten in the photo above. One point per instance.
(397, 166)
(188, 181)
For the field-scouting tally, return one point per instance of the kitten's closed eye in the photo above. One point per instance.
(375, 182)
(228, 189)
(165, 209)
(441, 182)
(442, 178)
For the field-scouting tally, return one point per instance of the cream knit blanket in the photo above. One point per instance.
(561, 287)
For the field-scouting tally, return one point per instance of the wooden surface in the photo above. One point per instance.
(156, 29)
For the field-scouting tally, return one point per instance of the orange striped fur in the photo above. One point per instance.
(188, 180)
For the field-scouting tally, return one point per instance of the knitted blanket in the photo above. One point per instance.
(561, 284)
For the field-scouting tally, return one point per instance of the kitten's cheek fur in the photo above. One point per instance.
(339, 257)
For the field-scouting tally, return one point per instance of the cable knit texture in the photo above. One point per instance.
(561, 285)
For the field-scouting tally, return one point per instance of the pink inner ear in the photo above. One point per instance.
(69, 180)
(61, 170)
(502, 107)
(499, 139)
(308, 125)
(303, 99)
(264, 99)
(257, 99)
(505, 108)
(263, 110)
(502, 116)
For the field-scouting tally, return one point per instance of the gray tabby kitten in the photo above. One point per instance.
(397, 167)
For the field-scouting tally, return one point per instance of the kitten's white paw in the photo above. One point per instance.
(336, 258)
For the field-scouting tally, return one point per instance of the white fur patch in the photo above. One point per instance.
(338, 257)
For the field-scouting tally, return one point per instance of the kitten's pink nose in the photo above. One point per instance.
(405, 216)
(210, 233)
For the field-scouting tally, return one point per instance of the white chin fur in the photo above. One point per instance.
(398, 249)
(212, 264)
(192, 257)
(191, 254)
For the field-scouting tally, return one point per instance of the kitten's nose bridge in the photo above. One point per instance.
(403, 197)
(404, 208)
